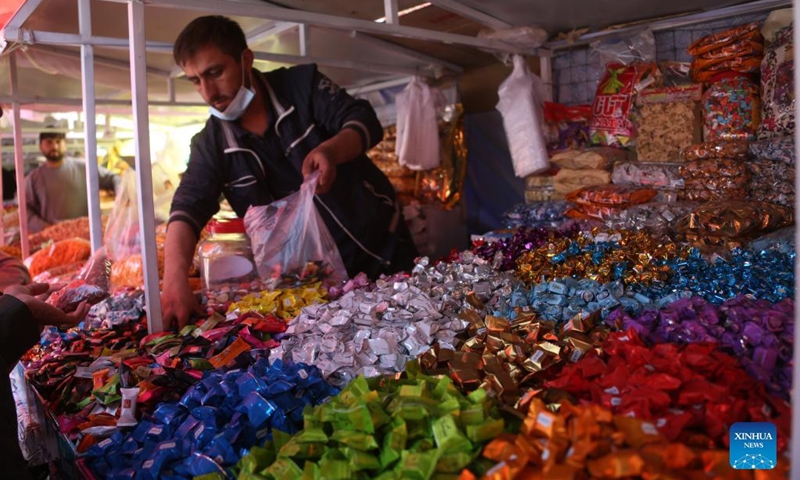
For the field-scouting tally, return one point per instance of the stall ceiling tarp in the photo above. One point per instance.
(349, 58)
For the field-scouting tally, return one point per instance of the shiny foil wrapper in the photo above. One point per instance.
(758, 333)
(767, 275)
(503, 253)
(602, 256)
(371, 333)
(535, 214)
(736, 150)
(612, 195)
(771, 181)
(717, 179)
(670, 385)
(656, 218)
(714, 222)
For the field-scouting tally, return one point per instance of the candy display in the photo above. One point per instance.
(731, 109)
(777, 89)
(738, 49)
(595, 158)
(717, 179)
(285, 304)
(503, 253)
(611, 123)
(647, 174)
(734, 149)
(535, 214)
(771, 181)
(632, 258)
(563, 440)
(667, 121)
(205, 431)
(568, 180)
(566, 127)
(427, 430)
(657, 218)
(690, 392)
(612, 195)
(756, 332)
(76, 228)
(715, 223)
(778, 148)
(767, 275)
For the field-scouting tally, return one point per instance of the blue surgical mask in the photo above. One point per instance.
(238, 105)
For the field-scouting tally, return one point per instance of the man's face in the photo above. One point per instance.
(216, 76)
(53, 149)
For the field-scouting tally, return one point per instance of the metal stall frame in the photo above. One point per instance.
(286, 19)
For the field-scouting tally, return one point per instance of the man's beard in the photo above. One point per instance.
(54, 157)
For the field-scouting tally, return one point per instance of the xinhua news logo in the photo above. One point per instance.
(754, 446)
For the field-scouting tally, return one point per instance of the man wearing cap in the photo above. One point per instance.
(56, 191)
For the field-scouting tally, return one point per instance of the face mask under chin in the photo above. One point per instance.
(238, 105)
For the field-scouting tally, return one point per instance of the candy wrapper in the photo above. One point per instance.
(535, 214)
(692, 393)
(631, 258)
(777, 87)
(91, 284)
(779, 149)
(781, 240)
(568, 180)
(368, 332)
(767, 275)
(758, 333)
(667, 120)
(612, 195)
(715, 223)
(771, 181)
(731, 110)
(734, 149)
(611, 123)
(596, 158)
(647, 175)
(566, 127)
(428, 430)
(562, 440)
(503, 254)
(285, 304)
(657, 218)
(738, 49)
(718, 179)
(225, 414)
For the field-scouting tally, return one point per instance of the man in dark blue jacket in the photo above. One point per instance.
(266, 133)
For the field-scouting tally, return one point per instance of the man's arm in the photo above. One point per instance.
(35, 222)
(108, 180)
(12, 271)
(18, 330)
(178, 303)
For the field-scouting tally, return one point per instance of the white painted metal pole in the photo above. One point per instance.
(794, 444)
(305, 39)
(19, 160)
(144, 172)
(90, 127)
(390, 7)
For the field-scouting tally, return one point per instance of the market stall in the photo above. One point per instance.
(637, 305)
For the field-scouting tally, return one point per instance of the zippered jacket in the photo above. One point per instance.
(305, 109)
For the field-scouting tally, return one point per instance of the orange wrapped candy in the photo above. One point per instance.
(612, 195)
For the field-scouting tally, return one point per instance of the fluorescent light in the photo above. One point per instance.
(406, 11)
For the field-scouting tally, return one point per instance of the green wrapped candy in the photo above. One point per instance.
(284, 469)
(393, 443)
(453, 462)
(335, 469)
(472, 416)
(295, 448)
(257, 460)
(485, 432)
(361, 460)
(311, 471)
(448, 437)
(357, 440)
(417, 465)
(311, 435)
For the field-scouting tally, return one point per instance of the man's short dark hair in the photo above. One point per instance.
(222, 32)
(54, 135)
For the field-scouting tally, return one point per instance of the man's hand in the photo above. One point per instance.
(34, 296)
(320, 159)
(178, 304)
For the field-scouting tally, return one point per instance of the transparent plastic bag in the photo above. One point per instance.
(91, 285)
(524, 38)
(417, 145)
(291, 243)
(523, 120)
(777, 87)
(121, 237)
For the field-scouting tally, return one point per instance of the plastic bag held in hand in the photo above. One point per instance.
(522, 120)
(417, 144)
(290, 241)
(121, 237)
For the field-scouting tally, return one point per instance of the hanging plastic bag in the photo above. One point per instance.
(417, 145)
(92, 284)
(521, 109)
(291, 243)
(121, 237)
